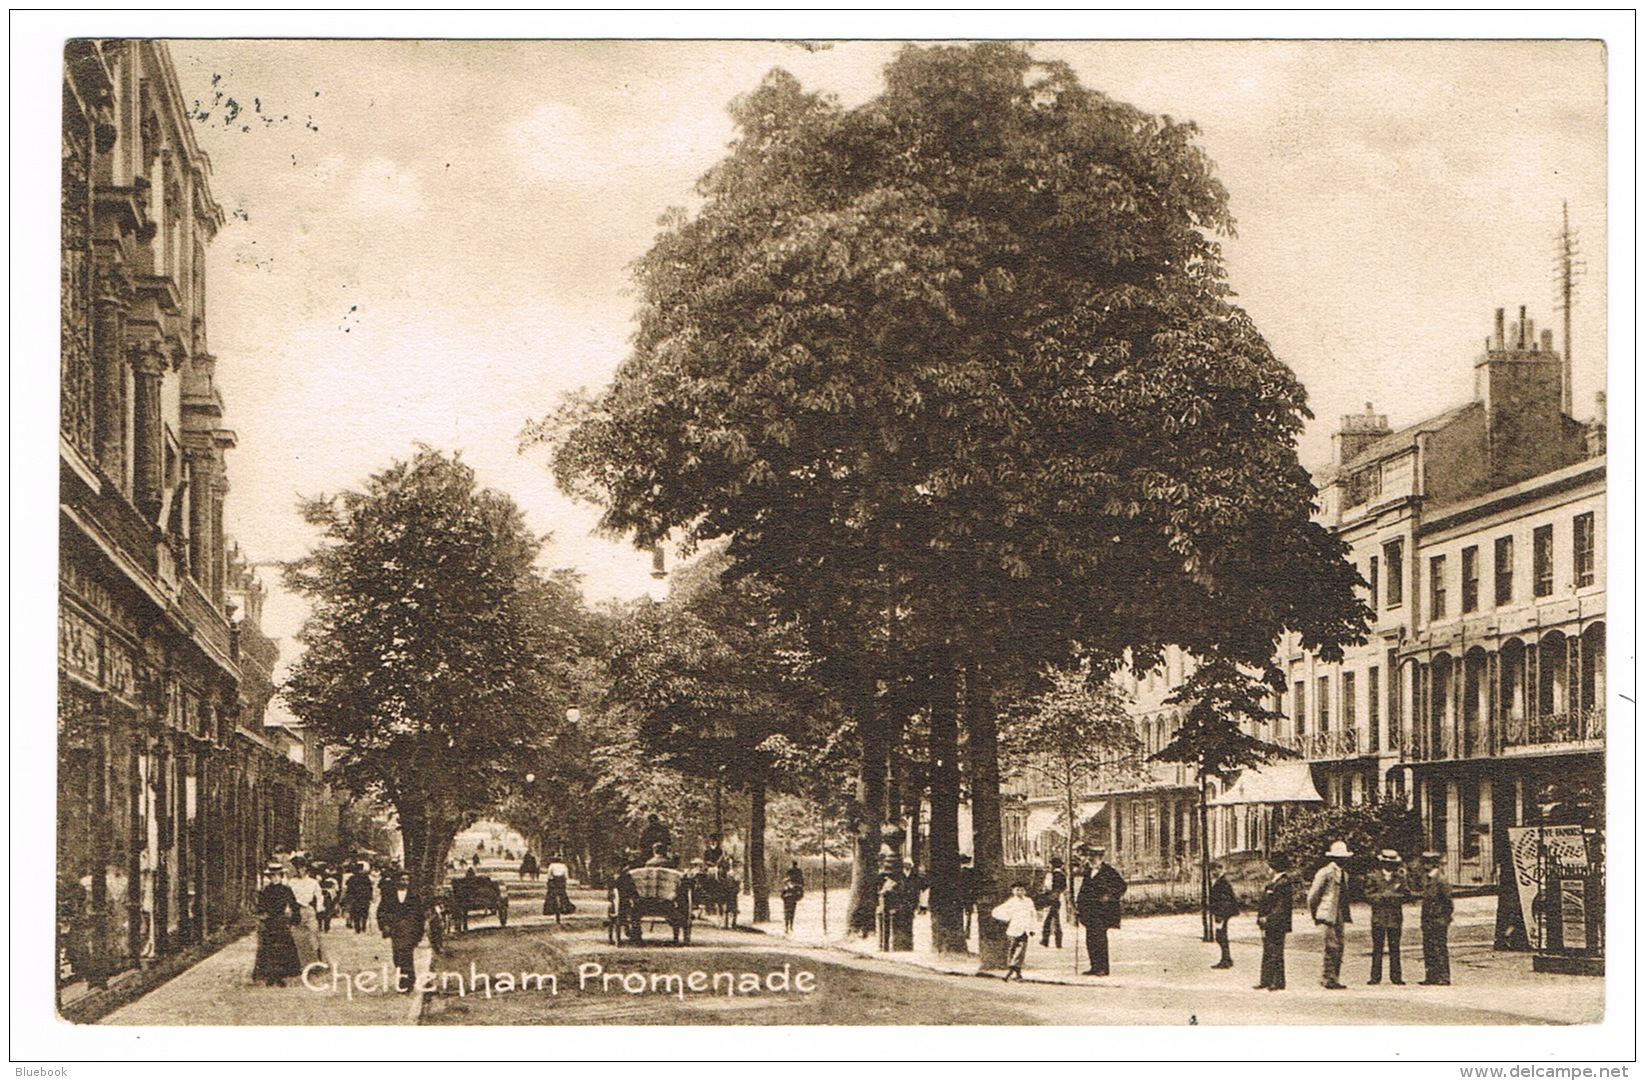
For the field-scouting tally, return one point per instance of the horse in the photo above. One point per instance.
(716, 892)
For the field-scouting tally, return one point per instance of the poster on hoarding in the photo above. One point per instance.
(1564, 847)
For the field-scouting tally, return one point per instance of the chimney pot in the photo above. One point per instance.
(1500, 312)
(1547, 341)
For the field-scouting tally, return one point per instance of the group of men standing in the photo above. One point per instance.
(1387, 888)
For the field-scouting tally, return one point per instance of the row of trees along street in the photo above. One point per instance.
(954, 376)
(947, 398)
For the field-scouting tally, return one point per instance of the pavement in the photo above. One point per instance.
(1165, 953)
(219, 990)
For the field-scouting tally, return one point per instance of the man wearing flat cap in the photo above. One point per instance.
(1099, 908)
(1385, 889)
(1328, 902)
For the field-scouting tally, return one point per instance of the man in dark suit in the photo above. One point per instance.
(1437, 909)
(1224, 907)
(402, 917)
(1099, 909)
(357, 898)
(1274, 917)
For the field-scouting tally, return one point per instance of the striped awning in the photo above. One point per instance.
(1277, 782)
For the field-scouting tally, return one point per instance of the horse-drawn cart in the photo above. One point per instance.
(650, 893)
(477, 895)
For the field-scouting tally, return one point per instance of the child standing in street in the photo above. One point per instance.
(1021, 919)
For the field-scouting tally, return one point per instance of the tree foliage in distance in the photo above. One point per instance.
(1218, 695)
(1076, 733)
(433, 654)
(1366, 828)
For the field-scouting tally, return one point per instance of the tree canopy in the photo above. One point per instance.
(434, 656)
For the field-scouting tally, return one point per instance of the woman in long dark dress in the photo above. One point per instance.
(277, 911)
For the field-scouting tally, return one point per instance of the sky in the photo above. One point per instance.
(428, 241)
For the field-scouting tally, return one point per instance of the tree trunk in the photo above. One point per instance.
(759, 882)
(947, 920)
(989, 854)
(870, 813)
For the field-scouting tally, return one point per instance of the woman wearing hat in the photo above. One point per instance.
(1386, 890)
(276, 910)
(1328, 902)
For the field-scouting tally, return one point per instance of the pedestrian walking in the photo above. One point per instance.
(1020, 917)
(793, 889)
(1386, 890)
(557, 896)
(1274, 918)
(276, 911)
(1437, 909)
(330, 896)
(1328, 903)
(306, 889)
(1098, 904)
(1052, 888)
(357, 898)
(1224, 907)
(403, 917)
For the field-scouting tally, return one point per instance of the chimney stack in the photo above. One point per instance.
(1500, 345)
(1359, 430)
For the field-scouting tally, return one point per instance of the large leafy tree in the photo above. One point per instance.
(1223, 703)
(434, 657)
(957, 374)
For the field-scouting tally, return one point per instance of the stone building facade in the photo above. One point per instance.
(1479, 696)
(169, 795)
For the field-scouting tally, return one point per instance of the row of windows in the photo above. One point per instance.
(1542, 569)
(1350, 701)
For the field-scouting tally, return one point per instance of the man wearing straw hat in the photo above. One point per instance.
(1385, 888)
(1328, 902)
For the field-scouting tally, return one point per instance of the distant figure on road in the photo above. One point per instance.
(713, 854)
(1099, 908)
(1021, 919)
(654, 834)
(1052, 887)
(1386, 890)
(1437, 909)
(1274, 917)
(357, 898)
(402, 917)
(1224, 907)
(557, 898)
(793, 890)
(528, 867)
(276, 913)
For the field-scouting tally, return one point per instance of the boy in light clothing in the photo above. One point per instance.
(1021, 920)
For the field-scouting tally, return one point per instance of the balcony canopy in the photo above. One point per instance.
(1042, 818)
(1277, 782)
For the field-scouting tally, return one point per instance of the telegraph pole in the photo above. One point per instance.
(1567, 274)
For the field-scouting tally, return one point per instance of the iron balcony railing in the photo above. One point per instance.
(1322, 745)
(1569, 726)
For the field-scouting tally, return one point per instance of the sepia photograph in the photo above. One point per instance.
(892, 531)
